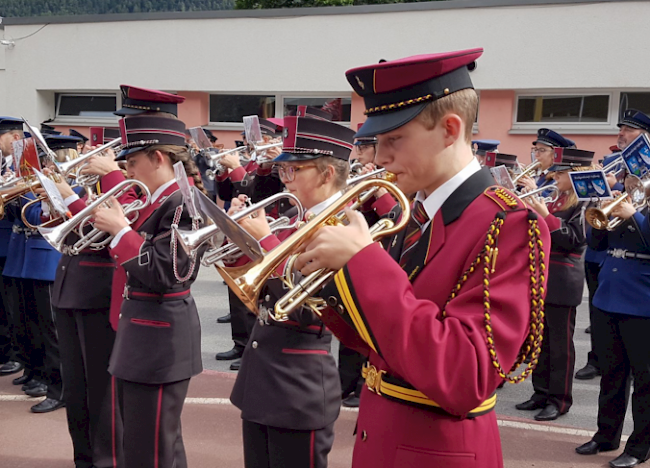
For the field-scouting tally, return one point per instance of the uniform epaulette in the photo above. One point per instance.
(503, 197)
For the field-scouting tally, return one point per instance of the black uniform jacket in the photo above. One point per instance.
(288, 377)
(566, 273)
(159, 334)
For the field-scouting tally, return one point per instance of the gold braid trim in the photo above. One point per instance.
(488, 256)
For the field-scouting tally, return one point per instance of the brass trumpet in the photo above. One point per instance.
(191, 241)
(95, 239)
(637, 189)
(248, 280)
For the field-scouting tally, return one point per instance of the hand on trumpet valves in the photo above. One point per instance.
(528, 183)
(256, 224)
(332, 247)
(231, 161)
(100, 165)
(109, 217)
(624, 210)
(61, 184)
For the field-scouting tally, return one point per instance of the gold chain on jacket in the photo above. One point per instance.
(537, 269)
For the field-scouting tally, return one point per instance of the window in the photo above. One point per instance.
(339, 107)
(638, 101)
(563, 109)
(231, 108)
(87, 106)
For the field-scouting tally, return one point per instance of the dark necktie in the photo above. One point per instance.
(413, 232)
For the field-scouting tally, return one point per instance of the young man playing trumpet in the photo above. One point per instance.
(443, 314)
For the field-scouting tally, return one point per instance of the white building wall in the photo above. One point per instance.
(577, 46)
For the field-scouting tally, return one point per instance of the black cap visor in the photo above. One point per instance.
(292, 157)
(128, 151)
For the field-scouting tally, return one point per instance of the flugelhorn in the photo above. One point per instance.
(95, 239)
(191, 241)
(248, 280)
(637, 189)
(259, 152)
(76, 165)
(548, 199)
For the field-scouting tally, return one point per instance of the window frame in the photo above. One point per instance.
(80, 120)
(279, 105)
(607, 127)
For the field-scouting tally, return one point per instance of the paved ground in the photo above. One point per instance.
(211, 425)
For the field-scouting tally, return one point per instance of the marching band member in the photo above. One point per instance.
(553, 376)
(81, 297)
(621, 326)
(11, 129)
(543, 151)
(235, 181)
(292, 360)
(157, 345)
(481, 147)
(633, 123)
(82, 146)
(421, 308)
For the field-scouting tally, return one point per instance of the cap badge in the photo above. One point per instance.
(361, 85)
(285, 133)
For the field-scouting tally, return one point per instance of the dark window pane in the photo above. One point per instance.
(526, 109)
(563, 109)
(595, 109)
(232, 108)
(340, 108)
(638, 101)
(87, 106)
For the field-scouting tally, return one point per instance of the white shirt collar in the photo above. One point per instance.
(316, 209)
(161, 189)
(434, 202)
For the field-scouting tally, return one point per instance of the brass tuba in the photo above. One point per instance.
(248, 280)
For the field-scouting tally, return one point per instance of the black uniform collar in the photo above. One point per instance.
(460, 199)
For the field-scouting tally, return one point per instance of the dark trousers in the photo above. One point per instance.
(6, 341)
(274, 447)
(44, 348)
(622, 348)
(553, 376)
(350, 365)
(20, 329)
(591, 274)
(85, 343)
(152, 424)
(242, 321)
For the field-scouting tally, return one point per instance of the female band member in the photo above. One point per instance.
(292, 360)
(553, 376)
(157, 346)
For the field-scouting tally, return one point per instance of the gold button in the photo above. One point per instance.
(364, 436)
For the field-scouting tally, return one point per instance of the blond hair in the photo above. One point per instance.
(341, 169)
(463, 103)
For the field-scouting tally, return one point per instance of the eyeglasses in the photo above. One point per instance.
(361, 148)
(535, 149)
(288, 173)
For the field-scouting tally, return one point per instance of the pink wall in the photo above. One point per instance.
(495, 121)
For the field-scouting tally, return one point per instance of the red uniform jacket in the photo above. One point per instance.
(444, 359)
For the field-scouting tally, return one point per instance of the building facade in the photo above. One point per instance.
(572, 66)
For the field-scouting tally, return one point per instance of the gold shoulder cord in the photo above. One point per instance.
(537, 268)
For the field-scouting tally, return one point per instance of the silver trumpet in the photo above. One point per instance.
(612, 166)
(548, 199)
(76, 165)
(215, 158)
(230, 252)
(191, 241)
(95, 239)
(259, 152)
